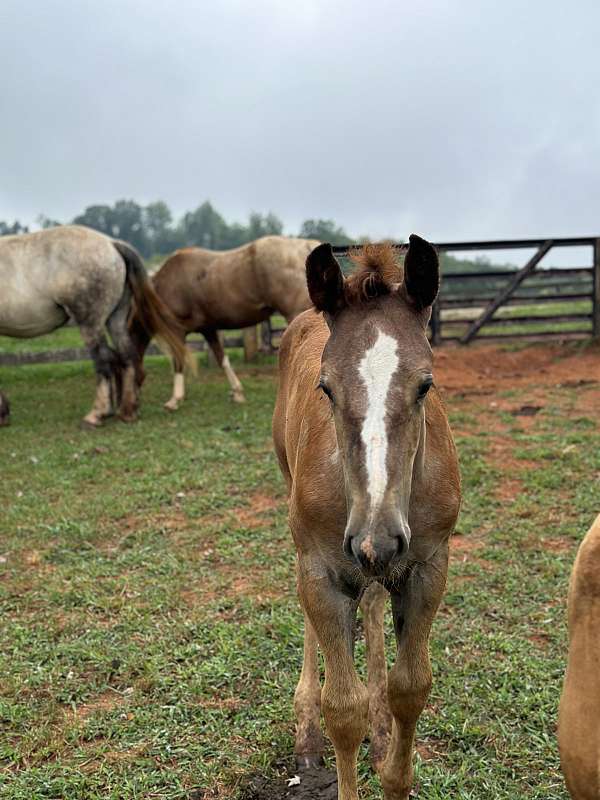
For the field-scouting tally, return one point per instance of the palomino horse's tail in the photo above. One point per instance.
(151, 311)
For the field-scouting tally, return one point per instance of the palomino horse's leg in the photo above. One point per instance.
(237, 391)
(413, 607)
(344, 699)
(127, 390)
(380, 719)
(178, 395)
(307, 705)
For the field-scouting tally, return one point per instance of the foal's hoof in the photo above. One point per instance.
(171, 405)
(238, 397)
(309, 761)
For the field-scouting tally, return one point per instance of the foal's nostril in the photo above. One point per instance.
(401, 544)
(348, 546)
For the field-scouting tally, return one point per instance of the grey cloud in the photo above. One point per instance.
(458, 119)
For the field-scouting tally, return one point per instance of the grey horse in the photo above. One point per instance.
(72, 272)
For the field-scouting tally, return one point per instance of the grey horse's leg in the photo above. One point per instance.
(127, 388)
(90, 313)
(237, 390)
(106, 365)
(4, 409)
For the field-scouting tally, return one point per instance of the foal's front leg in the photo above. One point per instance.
(409, 681)
(344, 699)
(380, 719)
(307, 705)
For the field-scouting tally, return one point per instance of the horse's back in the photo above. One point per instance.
(43, 273)
(579, 719)
(280, 265)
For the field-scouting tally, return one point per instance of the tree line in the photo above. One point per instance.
(154, 232)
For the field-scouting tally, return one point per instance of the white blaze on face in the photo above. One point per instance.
(376, 369)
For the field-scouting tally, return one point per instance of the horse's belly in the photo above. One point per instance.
(27, 320)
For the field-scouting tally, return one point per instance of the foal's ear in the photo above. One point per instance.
(421, 272)
(325, 280)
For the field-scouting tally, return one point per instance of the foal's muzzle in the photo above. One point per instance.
(377, 550)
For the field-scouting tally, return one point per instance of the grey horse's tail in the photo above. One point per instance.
(150, 310)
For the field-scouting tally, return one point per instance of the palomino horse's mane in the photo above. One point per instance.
(377, 272)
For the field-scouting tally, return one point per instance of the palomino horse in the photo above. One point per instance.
(210, 290)
(374, 492)
(50, 276)
(579, 718)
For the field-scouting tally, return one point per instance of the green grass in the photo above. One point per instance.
(60, 339)
(151, 636)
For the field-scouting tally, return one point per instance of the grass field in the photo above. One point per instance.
(151, 637)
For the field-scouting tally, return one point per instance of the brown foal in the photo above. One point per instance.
(374, 492)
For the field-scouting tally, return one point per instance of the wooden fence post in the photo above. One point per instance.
(436, 323)
(596, 294)
(250, 337)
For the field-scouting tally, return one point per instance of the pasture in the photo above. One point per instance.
(151, 635)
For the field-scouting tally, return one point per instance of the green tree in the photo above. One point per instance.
(123, 221)
(204, 227)
(11, 230)
(325, 230)
(158, 223)
(46, 222)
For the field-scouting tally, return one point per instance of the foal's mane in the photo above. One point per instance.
(377, 272)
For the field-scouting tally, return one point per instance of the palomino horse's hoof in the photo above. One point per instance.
(171, 405)
(237, 397)
(91, 422)
(309, 761)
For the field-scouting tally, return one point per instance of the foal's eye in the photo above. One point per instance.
(424, 388)
(326, 390)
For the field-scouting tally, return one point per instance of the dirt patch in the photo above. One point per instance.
(554, 545)
(431, 749)
(253, 514)
(105, 702)
(310, 784)
(463, 550)
(463, 545)
(484, 367)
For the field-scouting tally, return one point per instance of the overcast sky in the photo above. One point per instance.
(459, 120)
